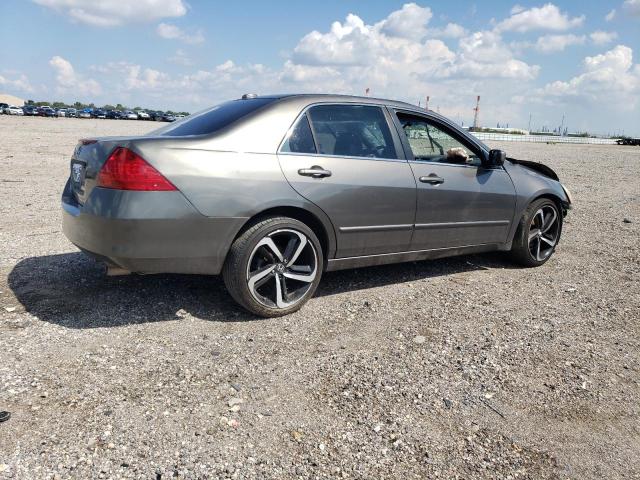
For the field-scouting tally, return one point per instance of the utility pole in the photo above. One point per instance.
(426, 103)
(477, 113)
(529, 123)
(562, 125)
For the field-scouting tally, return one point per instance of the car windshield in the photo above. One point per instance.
(213, 119)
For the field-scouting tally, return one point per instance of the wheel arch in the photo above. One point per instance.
(316, 221)
(555, 198)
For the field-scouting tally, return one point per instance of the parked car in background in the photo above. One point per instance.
(13, 110)
(72, 112)
(85, 113)
(332, 182)
(3, 106)
(129, 115)
(179, 116)
(99, 113)
(157, 115)
(30, 110)
(142, 115)
(61, 112)
(114, 114)
(49, 112)
(168, 117)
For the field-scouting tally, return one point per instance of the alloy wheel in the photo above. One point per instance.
(543, 232)
(282, 268)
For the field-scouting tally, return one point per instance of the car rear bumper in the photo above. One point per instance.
(148, 232)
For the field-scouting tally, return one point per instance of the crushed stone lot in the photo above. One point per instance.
(458, 368)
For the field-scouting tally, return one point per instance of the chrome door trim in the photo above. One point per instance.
(482, 223)
(324, 155)
(376, 228)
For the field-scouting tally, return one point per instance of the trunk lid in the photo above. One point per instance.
(88, 158)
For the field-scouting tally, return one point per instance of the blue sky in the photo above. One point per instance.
(546, 60)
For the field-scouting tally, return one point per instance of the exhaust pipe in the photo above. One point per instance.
(113, 271)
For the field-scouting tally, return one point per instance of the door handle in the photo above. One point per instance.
(316, 172)
(433, 179)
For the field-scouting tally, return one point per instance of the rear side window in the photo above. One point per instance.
(213, 119)
(352, 131)
(300, 139)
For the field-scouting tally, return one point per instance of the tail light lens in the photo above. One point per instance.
(126, 170)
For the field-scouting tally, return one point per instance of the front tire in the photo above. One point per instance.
(538, 233)
(274, 267)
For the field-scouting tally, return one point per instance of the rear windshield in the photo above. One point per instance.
(213, 119)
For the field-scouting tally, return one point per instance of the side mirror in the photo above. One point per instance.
(496, 158)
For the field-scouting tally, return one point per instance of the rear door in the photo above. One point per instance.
(460, 202)
(346, 159)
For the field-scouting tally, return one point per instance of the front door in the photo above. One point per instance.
(343, 158)
(460, 202)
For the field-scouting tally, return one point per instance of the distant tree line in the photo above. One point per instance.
(82, 106)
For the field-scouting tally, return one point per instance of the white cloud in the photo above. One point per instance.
(111, 13)
(632, 7)
(408, 22)
(351, 43)
(609, 80)
(557, 43)
(172, 32)
(68, 81)
(600, 37)
(380, 55)
(611, 15)
(19, 82)
(484, 54)
(138, 78)
(451, 30)
(547, 17)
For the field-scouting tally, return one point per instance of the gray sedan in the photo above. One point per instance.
(271, 191)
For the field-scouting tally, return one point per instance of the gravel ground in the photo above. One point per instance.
(457, 368)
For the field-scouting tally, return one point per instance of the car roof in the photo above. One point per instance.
(336, 97)
(311, 98)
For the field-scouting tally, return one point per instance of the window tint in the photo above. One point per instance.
(431, 143)
(213, 119)
(300, 139)
(351, 130)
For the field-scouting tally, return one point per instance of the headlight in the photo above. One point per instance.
(566, 190)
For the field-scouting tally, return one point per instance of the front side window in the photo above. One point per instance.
(351, 131)
(432, 144)
(300, 139)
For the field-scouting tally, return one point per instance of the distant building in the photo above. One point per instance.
(11, 100)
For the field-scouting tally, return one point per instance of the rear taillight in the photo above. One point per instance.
(126, 170)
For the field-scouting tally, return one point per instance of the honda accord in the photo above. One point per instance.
(272, 191)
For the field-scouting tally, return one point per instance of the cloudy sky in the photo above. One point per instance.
(574, 58)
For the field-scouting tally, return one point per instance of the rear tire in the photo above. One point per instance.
(274, 267)
(538, 233)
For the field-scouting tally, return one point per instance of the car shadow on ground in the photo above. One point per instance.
(73, 291)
